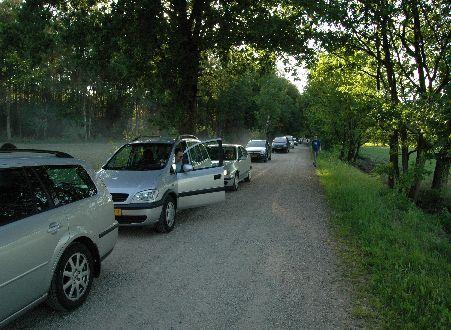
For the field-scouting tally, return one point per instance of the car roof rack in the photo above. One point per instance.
(58, 154)
(185, 136)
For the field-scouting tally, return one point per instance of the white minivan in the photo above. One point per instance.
(56, 226)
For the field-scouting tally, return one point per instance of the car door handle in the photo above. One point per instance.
(217, 176)
(53, 228)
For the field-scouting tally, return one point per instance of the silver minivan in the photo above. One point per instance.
(56, 227)
(149, 184)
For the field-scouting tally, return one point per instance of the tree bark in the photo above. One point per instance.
(393, 174)
(404, 149)
(419, 167)
(442, 167)
(391, 79)
(8, 120)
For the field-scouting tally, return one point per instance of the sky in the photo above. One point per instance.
(298, 76)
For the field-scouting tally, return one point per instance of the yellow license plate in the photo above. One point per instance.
(117, 212)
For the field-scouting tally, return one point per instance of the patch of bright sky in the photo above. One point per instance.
(292, 71)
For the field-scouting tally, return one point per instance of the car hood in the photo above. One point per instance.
(126, 181)
(250, 149)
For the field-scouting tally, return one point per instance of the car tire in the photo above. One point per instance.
(249, 176)
(76, 264)
(167, 216)
(236, 182)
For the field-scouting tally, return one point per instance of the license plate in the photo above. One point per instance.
(117, 212)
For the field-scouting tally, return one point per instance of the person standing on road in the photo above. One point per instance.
(316, 147)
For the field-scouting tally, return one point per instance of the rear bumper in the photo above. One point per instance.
(144, 214)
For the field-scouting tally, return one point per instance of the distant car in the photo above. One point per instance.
(291, 140)
(259, 150)
(237, 164)
(296, 141)
(281, 143)
(56, 227)
(147, 186)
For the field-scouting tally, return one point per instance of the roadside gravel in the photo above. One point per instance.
(264, 259)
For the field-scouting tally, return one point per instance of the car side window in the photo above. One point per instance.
(18, 198)
(240, 153)
(68, 183)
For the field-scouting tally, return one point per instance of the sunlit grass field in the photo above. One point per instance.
(380, 155)
(397, 254)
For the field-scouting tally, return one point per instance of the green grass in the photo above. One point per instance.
(398, 254)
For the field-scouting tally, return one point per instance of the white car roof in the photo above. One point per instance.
(29, 158)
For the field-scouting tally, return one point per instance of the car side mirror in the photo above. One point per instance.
(173, 169)
(187, 168)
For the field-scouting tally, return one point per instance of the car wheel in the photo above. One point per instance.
(235, 182)
(249, 176)
(167, 217)
(72, 278)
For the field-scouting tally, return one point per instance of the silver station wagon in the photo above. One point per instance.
(237, 164)
(56, 226)
(153, 177)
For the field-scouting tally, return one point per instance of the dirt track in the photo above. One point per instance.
(264, 259)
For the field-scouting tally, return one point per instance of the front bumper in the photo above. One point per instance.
(144, 214)
(280, 147)
(257, 155)
(228, 182)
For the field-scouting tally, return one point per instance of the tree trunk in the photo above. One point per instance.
(391, 79)
(404, 149)
(419, 167)
(8, 120)
(85, 117)
(442, 166)
(394, 159)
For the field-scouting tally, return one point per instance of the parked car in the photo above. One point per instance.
(259, 150)
(148, 187)
(281, 143)
(296, 141)
(291, 140)
(237, 164)
(56, 227)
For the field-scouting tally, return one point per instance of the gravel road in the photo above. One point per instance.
(263, 259)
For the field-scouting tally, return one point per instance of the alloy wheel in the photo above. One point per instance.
(76, 276)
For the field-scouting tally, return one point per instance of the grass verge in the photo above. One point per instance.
(400, 255)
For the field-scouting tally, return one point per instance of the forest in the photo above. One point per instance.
(378, 73)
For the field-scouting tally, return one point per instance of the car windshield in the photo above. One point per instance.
(280, 139)
(140, 157)
(229, 152)
(256, 144)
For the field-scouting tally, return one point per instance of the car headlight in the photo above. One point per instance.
(226, 172)
(145, 196)
(262, 152)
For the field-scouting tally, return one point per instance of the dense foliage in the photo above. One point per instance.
(85, 69)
